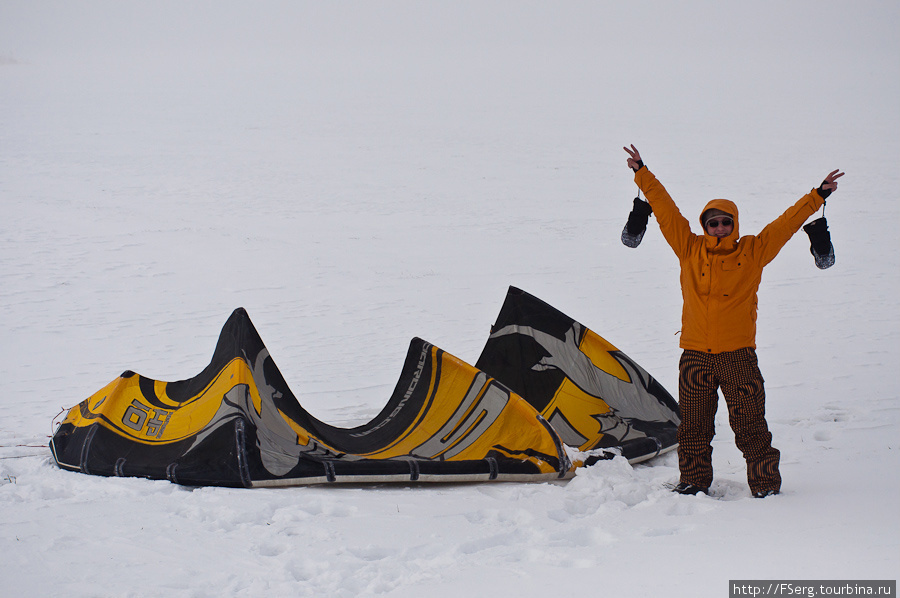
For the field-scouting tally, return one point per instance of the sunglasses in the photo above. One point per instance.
(715, 222)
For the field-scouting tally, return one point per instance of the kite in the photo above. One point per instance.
(238, 424)
(542, 382)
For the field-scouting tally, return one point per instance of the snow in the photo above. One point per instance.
(356, 174)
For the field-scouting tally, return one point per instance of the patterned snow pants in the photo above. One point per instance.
(737, 374)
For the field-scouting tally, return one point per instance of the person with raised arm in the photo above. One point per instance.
(720, 276)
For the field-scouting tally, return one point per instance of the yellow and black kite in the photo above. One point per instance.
(238, 424)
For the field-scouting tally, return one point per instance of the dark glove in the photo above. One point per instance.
(820, 243)
(637, 223)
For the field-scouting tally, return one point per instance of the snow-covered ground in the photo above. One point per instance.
(359, 173)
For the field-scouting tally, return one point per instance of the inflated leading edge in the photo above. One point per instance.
(238, 424)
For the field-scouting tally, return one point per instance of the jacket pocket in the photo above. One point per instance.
(733, 264)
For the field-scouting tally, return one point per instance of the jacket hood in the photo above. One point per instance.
(727, 206)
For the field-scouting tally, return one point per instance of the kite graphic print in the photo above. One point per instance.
(543, 381)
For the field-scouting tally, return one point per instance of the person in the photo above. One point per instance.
(720, 275)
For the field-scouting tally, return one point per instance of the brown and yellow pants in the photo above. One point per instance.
(737, 374)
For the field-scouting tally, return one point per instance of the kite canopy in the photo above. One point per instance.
(238, 424)
(592, 394)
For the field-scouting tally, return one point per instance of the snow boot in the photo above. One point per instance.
(685, 488)
(764, 493)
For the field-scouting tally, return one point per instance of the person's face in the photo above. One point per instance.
(720, 226)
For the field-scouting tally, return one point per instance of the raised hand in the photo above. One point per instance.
(634, 161)
(830, 182)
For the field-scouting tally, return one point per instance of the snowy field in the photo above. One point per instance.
(359, 173)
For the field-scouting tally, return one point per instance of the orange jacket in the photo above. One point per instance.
(720, 277)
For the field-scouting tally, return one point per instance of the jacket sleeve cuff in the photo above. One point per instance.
(643, 177)
(818, 198)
